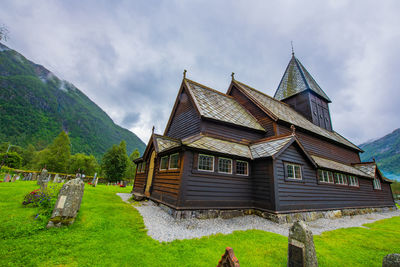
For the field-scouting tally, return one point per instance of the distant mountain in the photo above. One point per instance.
(35, 106)
(386, 151)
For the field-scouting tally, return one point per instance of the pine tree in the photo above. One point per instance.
(115, 162)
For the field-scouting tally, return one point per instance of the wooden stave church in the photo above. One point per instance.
(295, 161)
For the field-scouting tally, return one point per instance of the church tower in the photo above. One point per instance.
(299, 90)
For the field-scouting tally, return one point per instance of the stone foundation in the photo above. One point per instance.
(278, 218)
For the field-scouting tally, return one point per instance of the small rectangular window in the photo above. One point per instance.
(353, 181)
(293, 171)
(242, 167)
(173, 161)
(340, 178)
(325, 176)
(377, 184)
(164, 163)
(206, 163)
(224, 165)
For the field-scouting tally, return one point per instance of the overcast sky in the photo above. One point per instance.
(128, 56)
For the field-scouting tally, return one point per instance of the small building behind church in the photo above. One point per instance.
(246, 152)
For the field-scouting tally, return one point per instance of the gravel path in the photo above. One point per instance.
(163, 227)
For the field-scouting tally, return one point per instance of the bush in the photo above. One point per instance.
(45, 200)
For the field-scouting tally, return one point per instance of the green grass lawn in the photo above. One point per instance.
(109, 232)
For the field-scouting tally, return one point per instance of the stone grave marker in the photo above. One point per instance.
(228, 259)
(56, 178)
(42, 177)
(7, 178)
(68, 203)
(391, 260)
(301, 250)
(34, 176)
(18, 177)
(29, 178)
(14, 178)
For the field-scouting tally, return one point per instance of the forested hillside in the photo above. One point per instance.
(386, 151)
(35, 106)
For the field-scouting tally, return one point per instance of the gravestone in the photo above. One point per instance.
(42, 177)
(391, 260)
(29, 178)
(68, 203)
(48, 178)
(56, 178)
(34, 177)
(301, 249)
(14, 178)
(228, 259)
(7, 178)
(18, 177)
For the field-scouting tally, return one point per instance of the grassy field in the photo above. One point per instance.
(109, 232)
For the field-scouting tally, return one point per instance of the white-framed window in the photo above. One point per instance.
(340, 178)
(173, 161)
(242, 167)
(205, 163)
(325, 176)
(224, 165)
(164, 163)
(377, 184)
(293, 171)
(353, 181)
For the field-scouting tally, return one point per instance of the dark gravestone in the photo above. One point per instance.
(391, 260)
(301, 249)
(34, 177)
(68, 203)
(228, 259)
(42, 177)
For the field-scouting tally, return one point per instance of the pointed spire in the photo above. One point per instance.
(291, 42)
(297, 79)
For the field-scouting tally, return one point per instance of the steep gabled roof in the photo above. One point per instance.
(371, 169)
(281, 111)
(297, 79)
(337, 166)
(216, 105)
(163, 143)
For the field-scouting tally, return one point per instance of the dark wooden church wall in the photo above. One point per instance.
(262, 180)
(301, 103)
(140, 181)
(229, 131)
(212, 190)
(166, 184)
(308, 194)
(263, 119)
(186, 121)
(323, 148)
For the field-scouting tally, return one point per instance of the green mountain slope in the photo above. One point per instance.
(386, 151)
(35, 106)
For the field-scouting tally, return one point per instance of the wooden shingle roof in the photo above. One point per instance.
(337, 166)
(216, 105)
(279, 110)
(297, 79)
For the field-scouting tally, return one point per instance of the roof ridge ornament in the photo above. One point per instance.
(293, 130)
(233, 76)
(184, 74)
(291, 42)
(152, 130)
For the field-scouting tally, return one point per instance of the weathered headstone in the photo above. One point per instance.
(48, 178)
(7, 178)
(301, 250)
(34, 177)
(56, 178)
(29, 177)
(17, 178)
(42, 177)
(68, 203)
(391, 260)
(228, 259)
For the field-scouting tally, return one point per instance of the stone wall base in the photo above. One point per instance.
(278, 218)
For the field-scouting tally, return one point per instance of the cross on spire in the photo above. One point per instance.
(291, 42)
(233, 76)
(184, 74)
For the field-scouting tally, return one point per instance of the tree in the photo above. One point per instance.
(28, 155)
(56, 156)
(86, 163)
(131, 169)
(11, 159)
(114, 162)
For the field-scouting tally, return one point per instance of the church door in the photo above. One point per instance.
(150, 174)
